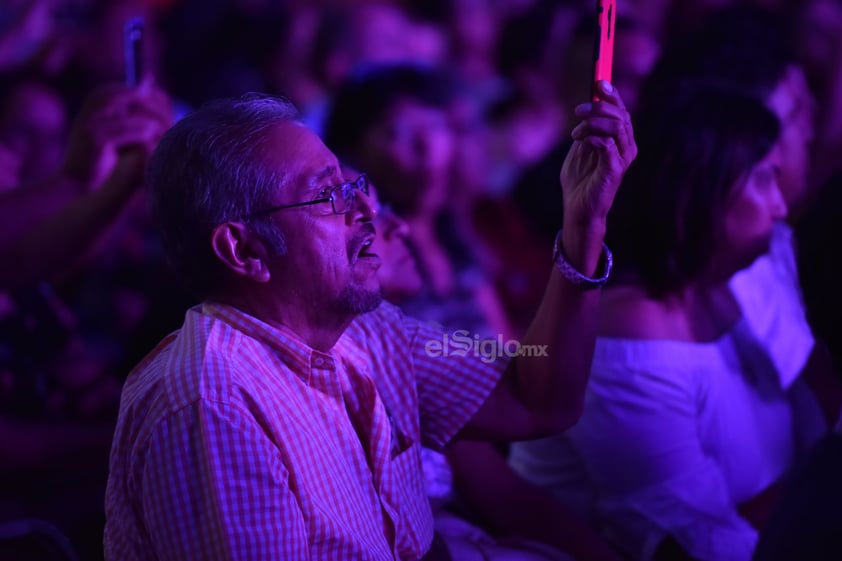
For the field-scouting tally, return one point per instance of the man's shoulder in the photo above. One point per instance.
(383, 323)
(205, 359)
(388, 329)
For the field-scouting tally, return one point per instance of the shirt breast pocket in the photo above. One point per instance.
(400, 442)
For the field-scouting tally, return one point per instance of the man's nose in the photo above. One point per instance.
(364, 207)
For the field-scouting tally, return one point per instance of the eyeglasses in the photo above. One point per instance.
(343, 198)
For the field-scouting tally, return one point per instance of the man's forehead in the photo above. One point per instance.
(318, 176)
(300, 153)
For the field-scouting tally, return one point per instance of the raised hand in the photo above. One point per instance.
(602, 151)
(117, 124)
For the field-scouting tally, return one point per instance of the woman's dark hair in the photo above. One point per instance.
(667, 217)
(742, 47)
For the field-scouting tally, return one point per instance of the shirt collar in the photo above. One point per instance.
(290, 348)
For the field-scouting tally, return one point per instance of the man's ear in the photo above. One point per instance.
(241, 251)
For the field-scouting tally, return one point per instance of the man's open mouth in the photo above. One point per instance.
(365, 249)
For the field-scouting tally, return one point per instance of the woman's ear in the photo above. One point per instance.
(241, 251)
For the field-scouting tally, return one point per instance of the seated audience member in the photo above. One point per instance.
(741, 49)
(398, 274)
(57, 400)
(284, 420)
(33, 123)
(525, 520)
(48, 225)
(687, 427)
(392, 122)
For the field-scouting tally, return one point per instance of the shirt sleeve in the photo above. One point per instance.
(214, 487)
(639, 441)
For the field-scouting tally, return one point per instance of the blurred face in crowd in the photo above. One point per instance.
(399, 277)
(751, 210)
(33, 126)
(793, 104)
(329, 261)
(398, 274)
(409, 152)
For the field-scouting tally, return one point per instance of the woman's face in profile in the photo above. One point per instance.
(398, 274)
(751, 211)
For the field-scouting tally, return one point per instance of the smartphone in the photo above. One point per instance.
(606, 13)
(132, 50)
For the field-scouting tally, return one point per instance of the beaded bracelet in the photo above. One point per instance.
(574, 276)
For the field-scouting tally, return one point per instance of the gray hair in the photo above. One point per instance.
(209, 169)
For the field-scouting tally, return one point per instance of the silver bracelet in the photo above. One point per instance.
(574, 276)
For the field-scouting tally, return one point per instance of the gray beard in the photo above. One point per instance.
(356, 300)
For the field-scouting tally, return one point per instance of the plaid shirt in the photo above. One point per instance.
(236, 440)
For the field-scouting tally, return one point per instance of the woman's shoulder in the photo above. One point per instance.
(697, 317)
(627, 312)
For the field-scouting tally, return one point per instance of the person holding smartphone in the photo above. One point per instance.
(50, 225)
(285, 419)
(686, 423)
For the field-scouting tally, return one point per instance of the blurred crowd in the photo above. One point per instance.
(472, 168)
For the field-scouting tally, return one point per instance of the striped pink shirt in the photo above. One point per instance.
(237, 441)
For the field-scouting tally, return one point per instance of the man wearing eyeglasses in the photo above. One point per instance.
(284, 419)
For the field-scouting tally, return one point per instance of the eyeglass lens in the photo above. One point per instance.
(347, 196)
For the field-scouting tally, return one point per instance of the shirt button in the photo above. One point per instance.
(318, 361)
